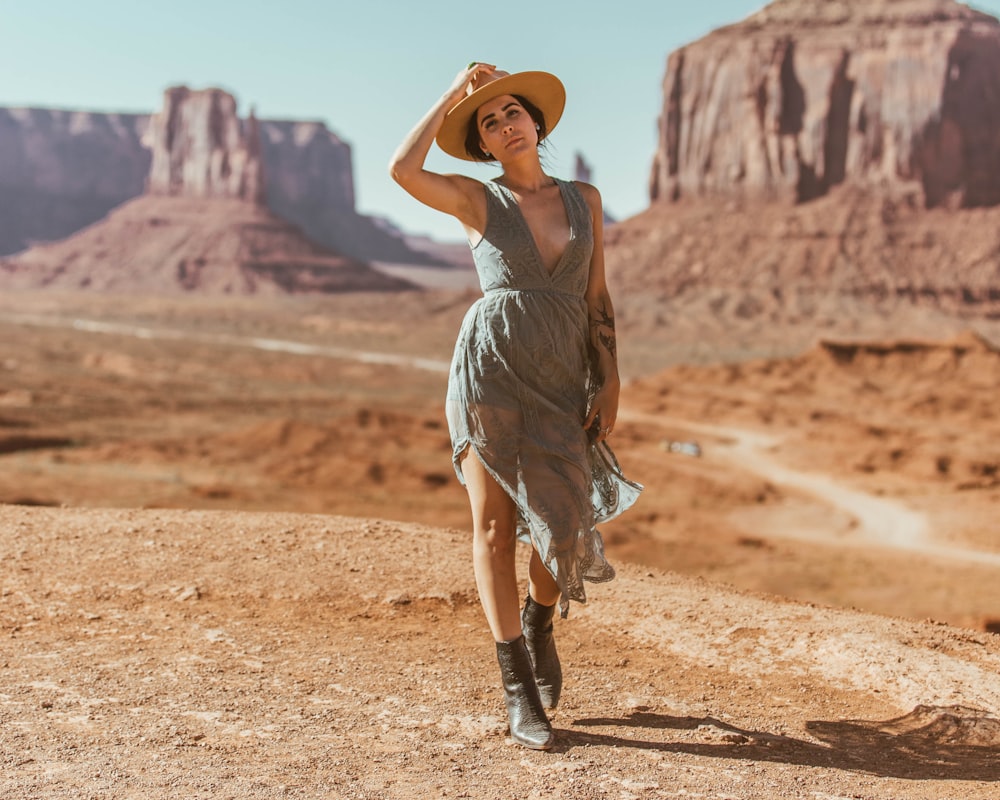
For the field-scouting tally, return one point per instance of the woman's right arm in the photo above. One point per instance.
(457, 195)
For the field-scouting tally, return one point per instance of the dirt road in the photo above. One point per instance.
(879, 521)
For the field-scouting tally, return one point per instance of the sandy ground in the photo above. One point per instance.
(235, 651)
(228, 655)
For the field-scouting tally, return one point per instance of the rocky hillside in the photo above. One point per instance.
(757, 261)
(188, 244)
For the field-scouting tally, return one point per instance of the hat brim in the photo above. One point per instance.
(542, 89)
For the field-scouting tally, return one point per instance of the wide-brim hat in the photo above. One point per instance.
(542, 89)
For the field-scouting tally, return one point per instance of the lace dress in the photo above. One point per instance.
(519, 388)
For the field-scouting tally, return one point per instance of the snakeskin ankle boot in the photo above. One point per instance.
(536, 624)
(528, 724)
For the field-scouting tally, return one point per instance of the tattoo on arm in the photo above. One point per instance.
(608, 340)
(600, 319)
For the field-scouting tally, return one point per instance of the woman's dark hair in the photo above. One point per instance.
(472, 131)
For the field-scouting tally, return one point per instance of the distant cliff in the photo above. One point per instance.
(201, 226)
(310, 181)
(823, 160)
(62, 170)
(808, 94)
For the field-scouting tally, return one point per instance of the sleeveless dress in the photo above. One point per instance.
(519, 389)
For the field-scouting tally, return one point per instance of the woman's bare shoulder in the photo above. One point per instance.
(591, 195)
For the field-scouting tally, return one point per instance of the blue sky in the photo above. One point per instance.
(369, 69)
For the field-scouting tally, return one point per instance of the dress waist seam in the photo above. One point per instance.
(503, 290)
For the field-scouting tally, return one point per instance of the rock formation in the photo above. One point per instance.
(201, 149)
(808, 94)
(824, 162)
(201, 226)
(310, 181)
(63, 170)
(308, 168)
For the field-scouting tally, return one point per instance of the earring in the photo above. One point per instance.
(538, 127)
(486, 152)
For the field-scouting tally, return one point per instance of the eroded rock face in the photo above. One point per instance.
(201, 149)
(202, 224)
(808, 94)
(62, 170)
(307, 165)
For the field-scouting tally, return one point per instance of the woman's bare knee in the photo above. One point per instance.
(497, 536)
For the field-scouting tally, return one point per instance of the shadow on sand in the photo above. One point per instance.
(929, 743)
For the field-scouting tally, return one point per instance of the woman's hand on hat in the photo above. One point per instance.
(467, 78)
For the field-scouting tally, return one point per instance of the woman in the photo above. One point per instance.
(533, 388)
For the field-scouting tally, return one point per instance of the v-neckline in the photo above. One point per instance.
(531, 236)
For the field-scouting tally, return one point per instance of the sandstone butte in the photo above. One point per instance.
(822, 158)
(61, 170)
(808, 94)
(200, 148)
(201, 225)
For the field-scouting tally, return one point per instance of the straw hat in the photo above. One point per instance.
(542, 89)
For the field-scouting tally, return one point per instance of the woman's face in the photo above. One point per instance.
(505, 127)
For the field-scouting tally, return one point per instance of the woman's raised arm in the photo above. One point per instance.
(457, 195)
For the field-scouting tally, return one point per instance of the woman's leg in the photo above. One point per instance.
(536, 622)
(494, 522)
(541, 585)
(494, 528)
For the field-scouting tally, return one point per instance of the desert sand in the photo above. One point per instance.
(236, 565)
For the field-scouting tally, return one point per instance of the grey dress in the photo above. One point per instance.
(519, 388)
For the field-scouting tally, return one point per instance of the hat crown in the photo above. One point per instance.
(482, 79)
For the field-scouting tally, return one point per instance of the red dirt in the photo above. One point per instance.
(242, 652)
